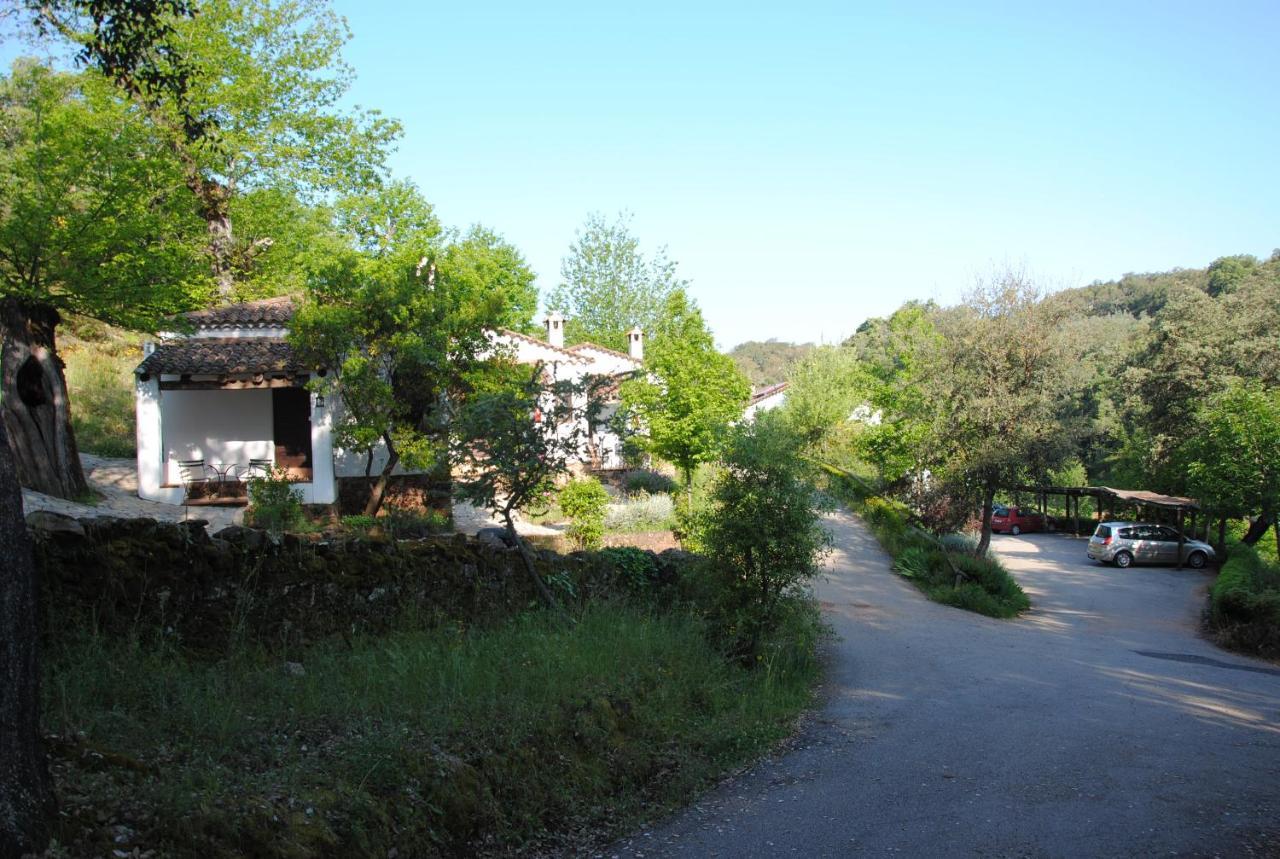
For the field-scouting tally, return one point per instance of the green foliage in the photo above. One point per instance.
(359, 522)
(275, 503)
(640, 511)
(513, 442)
(651, 482)
(695, 393)
(1233, 456)
(1245, 602)
(763, 532)
(768, 362)
(443, 741)
(636, 568)
(584, 502)
(96, 219)
(824, 390)
(608, 285)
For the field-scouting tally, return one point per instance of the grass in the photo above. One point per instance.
(945, 570)
(99, 369)
(527, 736)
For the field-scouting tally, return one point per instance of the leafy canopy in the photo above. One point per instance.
(608, 285)
(694, 394)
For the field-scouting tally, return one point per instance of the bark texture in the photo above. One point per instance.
(1257, 529)
(26, 793)
(34, 404)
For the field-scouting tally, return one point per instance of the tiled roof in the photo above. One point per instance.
(268, 312)
(222, 356)
(766, 392)
(544, 344)
(588, 345)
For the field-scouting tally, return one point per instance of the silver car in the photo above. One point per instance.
(1127, 543)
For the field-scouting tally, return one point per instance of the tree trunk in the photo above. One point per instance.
(539, 585)
(984, 540)
(26, 794)
(34, 405)
(1257, 530)
(379, 489)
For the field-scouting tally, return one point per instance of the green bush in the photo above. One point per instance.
(1245, 602)
(275, 504)
(641, 512)
(649, 482)
(584, 501)
(637, 569)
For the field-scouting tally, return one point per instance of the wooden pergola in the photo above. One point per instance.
(1174, 507)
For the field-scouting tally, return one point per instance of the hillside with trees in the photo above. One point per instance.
(767, 362)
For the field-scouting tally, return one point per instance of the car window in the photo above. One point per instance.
(1104, 531)
(1128, 533)
(1167, 534)
(999, 511)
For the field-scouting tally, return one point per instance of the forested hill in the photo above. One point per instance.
(766, 362)
(1144, 295)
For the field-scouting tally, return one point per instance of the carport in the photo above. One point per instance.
(1172, 507)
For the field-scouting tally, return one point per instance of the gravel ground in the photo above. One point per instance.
(1099, 724)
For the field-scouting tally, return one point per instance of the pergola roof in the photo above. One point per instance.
(1132, 496)
(218, 356)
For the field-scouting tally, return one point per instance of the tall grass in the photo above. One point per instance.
(99, 370)
(431, 742)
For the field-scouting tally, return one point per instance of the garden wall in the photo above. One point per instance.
(126, 576)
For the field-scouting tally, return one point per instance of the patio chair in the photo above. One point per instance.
(197, 476)
(255, 468)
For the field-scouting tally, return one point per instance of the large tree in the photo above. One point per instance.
(609, 285)
(690, 394)
(403, 313)
(999, 393)
(96, 222)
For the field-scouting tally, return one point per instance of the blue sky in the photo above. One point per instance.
(810, 165)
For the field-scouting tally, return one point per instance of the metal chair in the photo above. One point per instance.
(196, 475)
(255, 468)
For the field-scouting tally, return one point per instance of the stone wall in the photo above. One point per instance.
(140, 576)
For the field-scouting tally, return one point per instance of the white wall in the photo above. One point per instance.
(220, 427)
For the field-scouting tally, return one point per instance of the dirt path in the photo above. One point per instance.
(1098, 725)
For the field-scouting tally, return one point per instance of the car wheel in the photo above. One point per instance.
(1196, 560)
(1123, 559)
(1015, 530)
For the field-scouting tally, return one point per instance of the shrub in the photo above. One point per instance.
(1245, 602)
(913, 563)
(637, 569)
(649, 482)
(640, 512)
(763, 532)
(275, 504)
(584, 502)
(361, 522)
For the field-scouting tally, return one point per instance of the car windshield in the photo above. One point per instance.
(999, 510)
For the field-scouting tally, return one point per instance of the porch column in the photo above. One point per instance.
(324, 488)
(150, 439)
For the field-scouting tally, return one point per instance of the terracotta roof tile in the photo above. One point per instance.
(589, 345)
(268, 312)
(219, 356)
(766, 392)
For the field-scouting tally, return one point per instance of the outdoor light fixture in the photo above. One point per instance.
(319, 401)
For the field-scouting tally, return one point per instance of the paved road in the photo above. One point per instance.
(1098, 725)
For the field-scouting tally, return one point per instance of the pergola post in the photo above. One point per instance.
(1075, 519)
(1182, 537)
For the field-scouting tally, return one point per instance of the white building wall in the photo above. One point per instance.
(221, 427)
(770, 402)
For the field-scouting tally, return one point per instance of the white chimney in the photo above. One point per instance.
(635, 343)
(555, 329)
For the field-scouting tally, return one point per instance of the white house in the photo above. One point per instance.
(229, 392)
(765, 399)
(602, 448)
(232, 391)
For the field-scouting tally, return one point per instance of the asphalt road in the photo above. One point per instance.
(1100, 724)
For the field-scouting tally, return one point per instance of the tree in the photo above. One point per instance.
(95, 222)
(26, 792)
(608, 285)
(511, 443)
(694, 394)
(1233, 457)
(824, 389)
(1001, 393)
(402, 314)
(768, 362)
(763, 533)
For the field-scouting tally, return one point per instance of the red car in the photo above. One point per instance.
(1015, 520)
